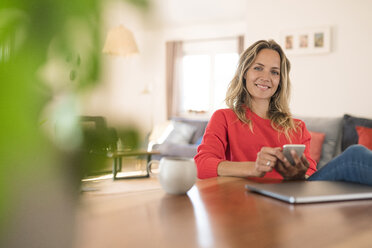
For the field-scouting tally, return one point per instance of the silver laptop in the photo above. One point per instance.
(312, 191)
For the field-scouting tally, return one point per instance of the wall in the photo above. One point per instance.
(119, 96)
(330, 84)
(323, 85)
(131, 92)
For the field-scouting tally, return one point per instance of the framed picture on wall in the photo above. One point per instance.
(315, 40)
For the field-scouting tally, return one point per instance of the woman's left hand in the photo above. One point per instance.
(289, 171)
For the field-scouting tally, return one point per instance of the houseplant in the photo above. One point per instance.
(49, 53)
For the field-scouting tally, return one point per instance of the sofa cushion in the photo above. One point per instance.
(182, 133)
(332, 127)
(179, 138)
(200, 126)
(316, 145)
(350, 135)
(365, 136)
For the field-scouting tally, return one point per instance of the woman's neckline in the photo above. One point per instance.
(257, 117)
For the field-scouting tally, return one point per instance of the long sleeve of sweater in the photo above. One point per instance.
(227, 139)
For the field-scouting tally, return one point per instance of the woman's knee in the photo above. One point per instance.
(356, 150)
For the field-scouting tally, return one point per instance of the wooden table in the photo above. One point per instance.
(216, 212)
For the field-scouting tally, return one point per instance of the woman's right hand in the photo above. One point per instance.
(266, 160)
(256, 168)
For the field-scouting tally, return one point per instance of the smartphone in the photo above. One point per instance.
(287, 151)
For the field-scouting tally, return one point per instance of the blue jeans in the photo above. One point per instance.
(353, 165)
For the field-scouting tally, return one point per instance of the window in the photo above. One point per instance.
(202, 74)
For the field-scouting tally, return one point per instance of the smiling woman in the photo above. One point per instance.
(262, 78)
(265, 64)
(247, 140)
(258, 97)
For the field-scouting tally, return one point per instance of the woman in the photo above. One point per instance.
(246, 139)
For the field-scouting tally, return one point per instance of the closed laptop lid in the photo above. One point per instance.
(312, 191)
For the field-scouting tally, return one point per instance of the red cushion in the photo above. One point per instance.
(316, 144)
(365, 136)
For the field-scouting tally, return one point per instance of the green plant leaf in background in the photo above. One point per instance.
(50, 52)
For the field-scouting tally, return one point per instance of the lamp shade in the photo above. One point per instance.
(120, 42)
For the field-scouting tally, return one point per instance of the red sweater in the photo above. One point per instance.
(226, 138)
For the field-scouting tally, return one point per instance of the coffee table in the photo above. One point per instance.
(118, 156)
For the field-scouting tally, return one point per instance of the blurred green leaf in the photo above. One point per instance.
(53, 51)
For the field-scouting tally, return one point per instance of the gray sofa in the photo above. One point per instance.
(332, 127)
(183, 149)
(336, 130)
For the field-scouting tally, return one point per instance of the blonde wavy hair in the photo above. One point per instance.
(238, 97)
